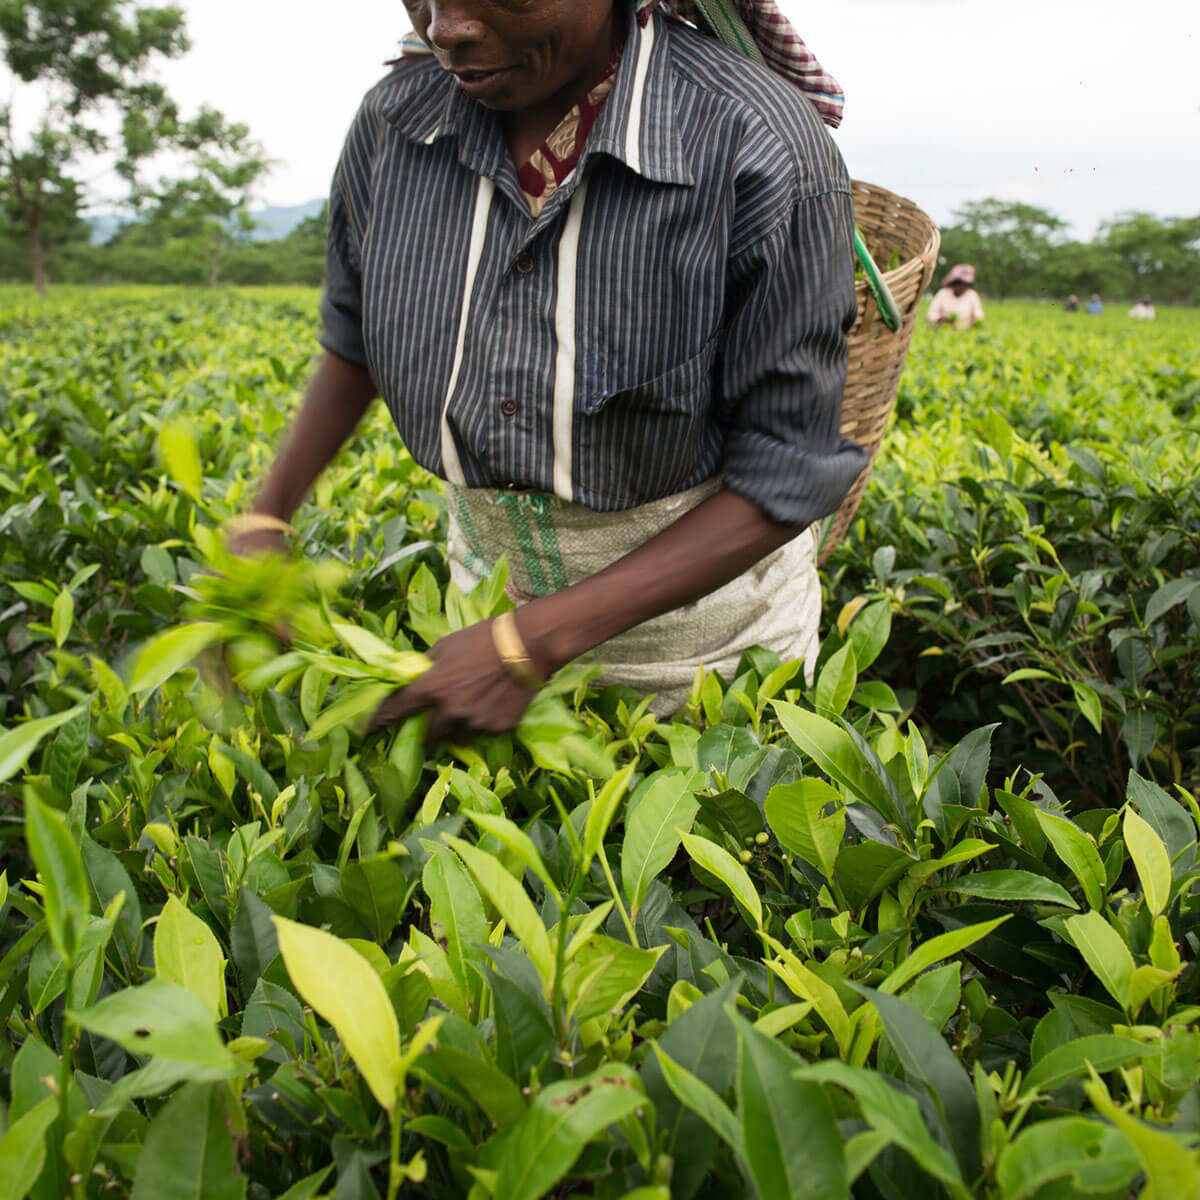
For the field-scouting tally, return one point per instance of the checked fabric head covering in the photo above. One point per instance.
(779, 46)
(775, 43)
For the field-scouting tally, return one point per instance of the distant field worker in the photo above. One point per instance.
(601, 269)
(1095, 305)
(957, 303)
(1143, 310)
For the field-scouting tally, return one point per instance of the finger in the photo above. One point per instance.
(443, 727)
(400, 704)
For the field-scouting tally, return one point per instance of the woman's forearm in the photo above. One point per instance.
(705, 549)
(338, 395)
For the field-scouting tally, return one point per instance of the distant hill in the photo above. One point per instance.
(278, 222)
(271, 223)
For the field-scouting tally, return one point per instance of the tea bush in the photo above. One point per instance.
(1036, 521)
(821, 941)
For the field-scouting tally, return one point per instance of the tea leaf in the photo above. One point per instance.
(17, 744)
(604, 975)
(653, 833)
(170, 652)
(1088, 703)
(1088, 1157)
(1011, 885)
(186, 953)
(795, 814)
(834, 751)
(343, 988)
(23, 1150)
(1150, 859)
(57, 858)
(1079, 853)
(1101, 1052)
(929, 1062)
(512, 903)
(894, 1114)
(1103, 951)
(934, 950)
(728, 870)
(562, 1119)
(836, 682)
(603, 809)
(62, 617)
(188, 1152)
(792, 1145)
(702, 1100)
(177, 445)
(163, 1019)
(455, 912)
(1172, 1172)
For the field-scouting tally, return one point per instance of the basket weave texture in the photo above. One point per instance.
(890, 224)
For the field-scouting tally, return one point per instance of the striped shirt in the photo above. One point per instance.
(676, 311)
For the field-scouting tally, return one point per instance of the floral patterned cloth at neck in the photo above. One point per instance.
(559, 154)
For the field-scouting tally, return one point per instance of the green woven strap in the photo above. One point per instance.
(726, 22)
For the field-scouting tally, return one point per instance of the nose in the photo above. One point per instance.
(453, 26)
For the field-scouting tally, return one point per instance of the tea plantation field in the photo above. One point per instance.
(927, 928)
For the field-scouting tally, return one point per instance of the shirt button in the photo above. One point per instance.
(524, 264)
(508, 406)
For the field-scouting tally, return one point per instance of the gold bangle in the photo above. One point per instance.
(511, 649)
(253, 522)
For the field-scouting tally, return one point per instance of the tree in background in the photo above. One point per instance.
(80, 59)
(60, 223)
(209, 203)
(1160, 257)
(1020, 250)
(1006, 242)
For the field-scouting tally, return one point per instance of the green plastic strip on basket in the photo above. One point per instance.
(888, 308)
(726, 22)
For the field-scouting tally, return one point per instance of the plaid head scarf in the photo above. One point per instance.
(778, 45)
(775, 44)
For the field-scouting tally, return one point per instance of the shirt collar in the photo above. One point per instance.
(638, 125)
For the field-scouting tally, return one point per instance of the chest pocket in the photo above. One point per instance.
(649, 440)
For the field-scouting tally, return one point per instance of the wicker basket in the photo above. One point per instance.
(889, 224)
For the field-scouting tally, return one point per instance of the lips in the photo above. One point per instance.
(476, 74)
(481, 82)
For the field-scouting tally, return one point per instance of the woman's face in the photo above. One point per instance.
(514, 54)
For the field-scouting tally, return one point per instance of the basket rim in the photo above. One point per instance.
(929, 235)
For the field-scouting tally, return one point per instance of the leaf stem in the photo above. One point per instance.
(64, 1076)
(560, 954)
(394, 1173)
(616, 895)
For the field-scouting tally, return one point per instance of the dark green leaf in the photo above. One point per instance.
(793, 1147)
(929, 1062)
(66, 755)
(702, 1040)
(252, 939)
(188, 1152)
(57, 857)
(562, 1119)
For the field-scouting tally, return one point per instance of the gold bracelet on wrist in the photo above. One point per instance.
(253, 522)
(511, 649)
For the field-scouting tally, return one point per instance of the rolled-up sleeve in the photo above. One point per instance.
(341, 304)
(790, 303)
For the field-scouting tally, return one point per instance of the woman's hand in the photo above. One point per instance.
(248, 542)
(468, 690)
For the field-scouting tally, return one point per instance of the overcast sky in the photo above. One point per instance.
(1086, 108)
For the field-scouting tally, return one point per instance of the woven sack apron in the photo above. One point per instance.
(552, 543)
